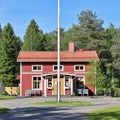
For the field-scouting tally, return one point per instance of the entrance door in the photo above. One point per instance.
(55, 85)
(62, 87)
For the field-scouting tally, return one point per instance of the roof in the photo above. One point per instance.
(51, 56)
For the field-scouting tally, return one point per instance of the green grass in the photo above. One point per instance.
(63, 103)
(106, 114)
(7, 97)
(4, 110)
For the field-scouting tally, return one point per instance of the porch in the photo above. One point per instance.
(69, 85)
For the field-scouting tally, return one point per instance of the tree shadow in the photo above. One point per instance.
(43, 113)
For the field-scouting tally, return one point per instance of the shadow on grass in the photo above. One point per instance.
(43, 113)
(4, 110)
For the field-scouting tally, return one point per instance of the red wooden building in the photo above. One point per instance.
(38, 72)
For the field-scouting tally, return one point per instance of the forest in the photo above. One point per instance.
(88, 34)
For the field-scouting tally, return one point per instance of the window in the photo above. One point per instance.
(81, 78)
(79, 67)
(37, 68)
(49, 81)
(80, 82)
(37, 82)
(55, 67)
(67, 81)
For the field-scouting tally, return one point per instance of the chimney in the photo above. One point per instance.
(71, 47)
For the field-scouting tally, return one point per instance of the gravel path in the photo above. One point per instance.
(23, 110)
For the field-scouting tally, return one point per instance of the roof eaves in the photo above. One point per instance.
(54, 60)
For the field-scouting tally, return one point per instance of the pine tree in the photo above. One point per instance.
(18, 48)
(92, 31)
(33, 38)
(8, 56)
(0, 33)
(88, 34)
(116, 50)
(116, 57)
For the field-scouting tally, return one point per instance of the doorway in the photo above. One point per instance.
(55, 85)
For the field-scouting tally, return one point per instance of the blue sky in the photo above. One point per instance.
(20, 12)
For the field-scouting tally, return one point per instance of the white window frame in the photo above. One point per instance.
(37, 66)
(79, 66)
(68, 82)
(60, 69)
(40, 84)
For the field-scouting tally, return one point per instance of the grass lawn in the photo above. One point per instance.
(7, 97)
(106, 114)
(63, 103)
(4, 110)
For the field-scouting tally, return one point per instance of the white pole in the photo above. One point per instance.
(58, 51)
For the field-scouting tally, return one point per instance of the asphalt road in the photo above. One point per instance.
(23, 110)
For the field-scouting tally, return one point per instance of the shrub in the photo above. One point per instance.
(117, 92)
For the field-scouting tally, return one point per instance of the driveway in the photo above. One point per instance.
(23, 110)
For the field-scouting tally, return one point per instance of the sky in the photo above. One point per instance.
(19, 13)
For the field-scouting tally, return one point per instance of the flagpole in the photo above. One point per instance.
(58, 97)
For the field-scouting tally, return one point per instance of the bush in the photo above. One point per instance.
(117, 92)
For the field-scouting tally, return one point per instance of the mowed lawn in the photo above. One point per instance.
(63, 103)
(112, 113)
(7, 97)
(4, 110)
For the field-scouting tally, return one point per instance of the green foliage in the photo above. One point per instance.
(106, 59)
(73, 35)
(95, 76)
(92, 30)
(106, 114)
(116, 50)
(51, 39)
(116, 92)
(88, 34)
(7, 97)
(8, 52)
(100, 79)
(0, 33)
(33, 38)
(4, 110)
(91, 75)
